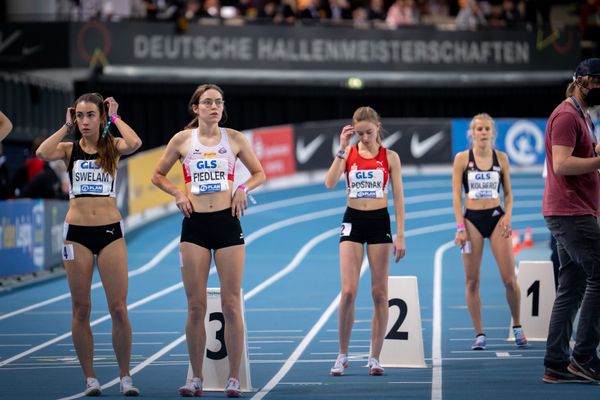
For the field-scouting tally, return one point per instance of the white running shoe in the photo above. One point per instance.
(340, 364)
(92, 387)
(191, 389)
(375, 368)
(232, 389)
(127, 388)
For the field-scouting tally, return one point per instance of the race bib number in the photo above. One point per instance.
(90, 179)
(365, 184)
(209, 176)
(483, 184)
(346, 229)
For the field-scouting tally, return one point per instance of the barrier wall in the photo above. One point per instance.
(31, 230)
(31, 235)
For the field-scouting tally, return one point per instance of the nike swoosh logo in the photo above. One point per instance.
(9, 40)
(304, 153)
(390, 140)
(418, 149)
(27, 51)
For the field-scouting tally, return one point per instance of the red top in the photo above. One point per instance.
(570, 194)
(356, 162)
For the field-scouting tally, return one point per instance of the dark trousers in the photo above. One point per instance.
(578, 244)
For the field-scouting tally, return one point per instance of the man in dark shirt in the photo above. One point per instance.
(571, 207)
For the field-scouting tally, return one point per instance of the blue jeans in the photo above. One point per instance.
(578, 244)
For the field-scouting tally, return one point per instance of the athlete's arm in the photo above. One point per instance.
(505, 221)
(257, 175)
(52, 148)
(159, 178)
(398, 193)
(338, 166)
(130, 141)
(457, 172)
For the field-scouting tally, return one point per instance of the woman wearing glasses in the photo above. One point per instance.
(212, 208)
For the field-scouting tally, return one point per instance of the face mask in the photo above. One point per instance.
(592, 98)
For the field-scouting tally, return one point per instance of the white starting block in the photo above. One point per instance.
(536, 279)
(403, 343)
(215, 368)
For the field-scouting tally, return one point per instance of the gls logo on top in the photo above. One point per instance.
(89, 165)
(202, 164)
(364, 175)
(521, 139)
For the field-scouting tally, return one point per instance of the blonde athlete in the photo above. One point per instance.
(481, 170)
(93, 225)
(369, 168)
(212, 208)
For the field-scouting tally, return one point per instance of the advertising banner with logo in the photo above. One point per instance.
(521, 139)
(142, 193)
(417, 141)
(321, 48)
(30, 235)
(32, 45)
(274, 147)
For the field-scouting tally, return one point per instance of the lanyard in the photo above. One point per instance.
(580, 110)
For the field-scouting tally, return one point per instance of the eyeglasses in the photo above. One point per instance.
(210, 102)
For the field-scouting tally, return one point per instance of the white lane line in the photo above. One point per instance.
(290, 267)
(27, 334)
(250, 238)
(302, 346)
(413, 232)
(295, 356)
(436, 340)
(138, 367)
(295, 263)
(149, 265)
(93, 323)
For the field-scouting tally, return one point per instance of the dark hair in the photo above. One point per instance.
(108, 154)
(196, 98)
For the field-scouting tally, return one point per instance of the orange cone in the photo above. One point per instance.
(528, 238)
(516, 242)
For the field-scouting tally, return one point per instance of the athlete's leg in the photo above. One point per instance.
(194, 272)
(230, 266)
(379, 260)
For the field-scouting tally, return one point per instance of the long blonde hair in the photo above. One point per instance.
(366, 113)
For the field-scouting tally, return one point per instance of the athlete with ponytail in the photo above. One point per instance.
(93, 225)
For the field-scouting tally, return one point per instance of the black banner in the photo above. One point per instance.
(321, 48)
(417, 142)
(153, 44)
(34, 45)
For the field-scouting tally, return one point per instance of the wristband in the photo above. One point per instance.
(113, 117)
(340, 154)
(69, 126)
(460, 228)
(245, 189)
